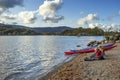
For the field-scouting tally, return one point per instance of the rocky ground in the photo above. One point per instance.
(78, 69)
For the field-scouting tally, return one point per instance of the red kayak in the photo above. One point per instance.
(87, 51)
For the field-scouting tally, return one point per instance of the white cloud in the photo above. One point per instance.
(82, 22)
(115, 27)
(88, 18)
(1, 10)
(92, 17)
(27, 16)
(93, 25)
(1, 21)
(6, 4)
(48, 11)
(9, 16)
(106, 27)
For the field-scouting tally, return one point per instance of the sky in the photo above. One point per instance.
(52, 13)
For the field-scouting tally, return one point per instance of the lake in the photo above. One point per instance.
(26, 57)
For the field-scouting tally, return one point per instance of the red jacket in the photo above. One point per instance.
(98, 53)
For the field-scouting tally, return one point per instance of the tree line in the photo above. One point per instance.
(10, 30)
(87, 32)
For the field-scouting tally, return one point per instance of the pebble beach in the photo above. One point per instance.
(78, 69)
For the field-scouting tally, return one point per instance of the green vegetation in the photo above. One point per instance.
(87, 32)
(12, 30)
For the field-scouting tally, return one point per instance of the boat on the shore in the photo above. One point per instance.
(91, 49)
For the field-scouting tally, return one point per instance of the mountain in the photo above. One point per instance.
(51, 29)
(13, 26)
(40, 29)
(7, 29)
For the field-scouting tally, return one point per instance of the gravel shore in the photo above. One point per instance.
(78, 69)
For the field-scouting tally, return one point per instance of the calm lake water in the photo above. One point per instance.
(26, 57)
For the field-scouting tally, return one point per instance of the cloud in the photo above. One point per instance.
(2, 20)
(93, 25)
(88, 18)
(27, 16)
(1, 10)
(115, 27)
(6, 4)
(8, 19)
(9, 16)
(82, 21)
(106, 27)
(99, 25)
(48, 11)
(92, 17)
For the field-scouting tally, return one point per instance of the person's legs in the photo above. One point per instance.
(89, 59)
(101, 58)
(92, 56)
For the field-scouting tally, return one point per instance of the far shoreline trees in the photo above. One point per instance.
(11, 30)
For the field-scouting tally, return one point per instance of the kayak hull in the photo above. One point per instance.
(106, 45)
(88, 50)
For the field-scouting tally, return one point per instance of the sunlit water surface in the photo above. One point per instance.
(26, 57)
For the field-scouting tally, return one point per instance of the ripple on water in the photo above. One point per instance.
(25, 57)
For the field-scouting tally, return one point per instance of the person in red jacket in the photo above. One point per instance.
(98, 55)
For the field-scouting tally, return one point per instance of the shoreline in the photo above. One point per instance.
(78, 69)
(60, 65)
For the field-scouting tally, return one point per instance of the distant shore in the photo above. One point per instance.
(78, 69)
